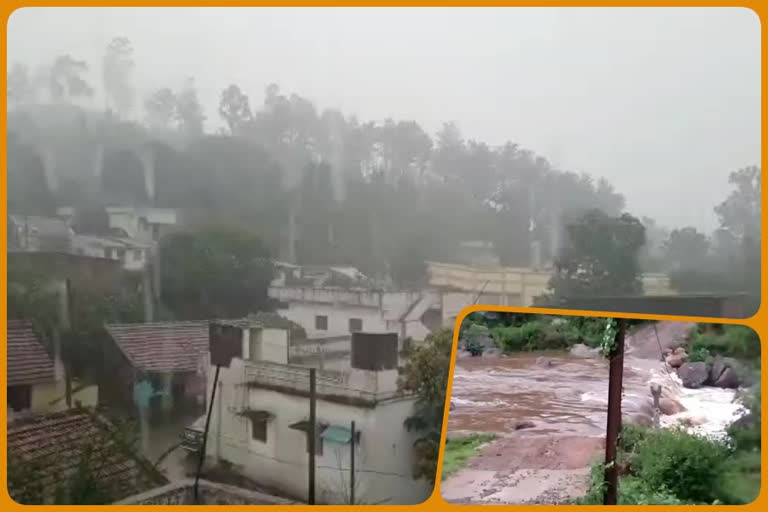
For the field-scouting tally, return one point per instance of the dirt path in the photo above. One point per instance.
(522, 469)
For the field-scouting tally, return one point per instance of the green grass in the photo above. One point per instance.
(459, 450)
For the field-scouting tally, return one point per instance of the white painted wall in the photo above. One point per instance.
(398, 312)
(384, 457)
(304, 313)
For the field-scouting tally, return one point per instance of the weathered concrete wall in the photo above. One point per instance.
(211, 493)
(384, 456)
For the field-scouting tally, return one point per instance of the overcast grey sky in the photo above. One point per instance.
(654, 99)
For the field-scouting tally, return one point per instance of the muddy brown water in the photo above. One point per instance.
(568, 396)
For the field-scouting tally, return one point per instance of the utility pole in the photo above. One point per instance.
(312, 434)
(69, 299)
(352, 464)
(613, 427)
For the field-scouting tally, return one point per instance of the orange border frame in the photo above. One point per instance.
(435, 502)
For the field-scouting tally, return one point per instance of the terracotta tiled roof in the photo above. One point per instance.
(53, 446)
(28, 361)
(162, 346)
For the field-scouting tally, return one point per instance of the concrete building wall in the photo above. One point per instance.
(338, 317)
(384, 455)
(50, 396)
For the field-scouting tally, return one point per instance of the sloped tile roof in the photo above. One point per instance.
(28, 361)
(53, 446)
(162, 346)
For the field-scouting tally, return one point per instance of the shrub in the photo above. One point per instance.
(738, 341)
(631, 436)
(633, 491)
(687, 464)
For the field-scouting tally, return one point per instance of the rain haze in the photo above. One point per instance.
(294, 207)
(655, 100)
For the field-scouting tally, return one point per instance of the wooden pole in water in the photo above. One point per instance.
(613, 427)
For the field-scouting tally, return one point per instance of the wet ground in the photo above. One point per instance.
(162, 435)
(561, 401)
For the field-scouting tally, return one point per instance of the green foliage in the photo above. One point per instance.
(425, 374)
(459, 450)
(537, 332)
(472, 336)
(601, 257)
(688, 465)
(737, 341)
(214, 273)
(700, 354)
(739, 483)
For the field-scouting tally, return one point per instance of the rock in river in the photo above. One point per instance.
(693, 375)
(581, 350)
(728, 379)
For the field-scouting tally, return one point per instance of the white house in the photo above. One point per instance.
(329, 311)
(133, 253)
(260, 422)
(135, 222)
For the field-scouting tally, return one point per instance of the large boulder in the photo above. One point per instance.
(676, 359)
(718, 367)
(728, 379)
(693, 375)
(668, 406)
(581, 350)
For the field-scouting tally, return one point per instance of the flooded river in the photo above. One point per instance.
(549, 411)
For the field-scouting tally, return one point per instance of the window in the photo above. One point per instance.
(321, 323)
(120, 254)
(259, 429)
(355, 324)
(137, 254)
(20, 398)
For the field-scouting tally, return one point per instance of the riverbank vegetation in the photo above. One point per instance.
(459, 450)
(675, 467)
(518, 332)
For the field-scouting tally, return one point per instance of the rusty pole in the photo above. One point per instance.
(613, 427)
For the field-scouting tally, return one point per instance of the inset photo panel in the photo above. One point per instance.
(562, 409)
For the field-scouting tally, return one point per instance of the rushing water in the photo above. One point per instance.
(563, 394)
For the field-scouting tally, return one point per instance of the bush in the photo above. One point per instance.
(473, 334)
(633, 491)
(631, 437)
(688, 465)
(737, 341)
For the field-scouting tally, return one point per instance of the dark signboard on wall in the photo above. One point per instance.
(225, 342)
(374, 351)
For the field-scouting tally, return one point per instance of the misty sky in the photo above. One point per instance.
(656, 100)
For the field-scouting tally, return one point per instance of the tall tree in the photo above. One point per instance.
(234, 108)
(22, 89)
(740, 212)
(189, 111)
(66, 80)
(160, 109)
(600, 257)
(214, 273)
(686, 248)
(118, 65)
